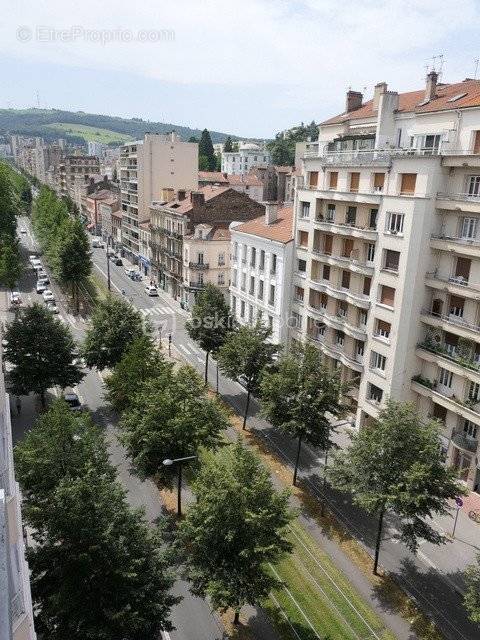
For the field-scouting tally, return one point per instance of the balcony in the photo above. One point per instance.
(453, 284)
(461, 440)
(469, 330)
(368, 157)
(449, 359)
(359, 299)
(429, 389)
(469, 203)
(345, 262)
(466, 246)
(366, 233)
(198, 266)
(196, 285)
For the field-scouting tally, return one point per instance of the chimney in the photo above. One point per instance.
(197, 198)
(181, 194)
(167, 195)
(431, 88)
(271, 211)
(354, 100)
(380, 88)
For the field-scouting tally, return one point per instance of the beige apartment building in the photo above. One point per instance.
(387, 256)
(73, 170)
(146, 167)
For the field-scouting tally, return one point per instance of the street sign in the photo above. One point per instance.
(459, 502)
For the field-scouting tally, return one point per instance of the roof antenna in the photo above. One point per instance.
(476, 61)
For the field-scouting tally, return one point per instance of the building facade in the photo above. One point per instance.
(249, 155)
(387, 256)
(146, 167)
(261, 267)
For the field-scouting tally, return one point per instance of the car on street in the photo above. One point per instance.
(36, 263)
(41, 286)
(43, 278)
(15, 299)
(129, 271)
(73, 401)
(48, 295)
(110, 251)
(136, 277)
(32, 257)
(51, 306)
(23, 231)
(117, 261)
(151, 290)
(97, 243)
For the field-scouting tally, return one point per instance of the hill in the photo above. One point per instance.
(78, 127)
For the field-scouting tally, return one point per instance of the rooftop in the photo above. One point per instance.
(280, 231)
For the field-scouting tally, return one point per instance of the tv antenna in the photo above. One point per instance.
(38, 99)
(476, 61)
(436, 64)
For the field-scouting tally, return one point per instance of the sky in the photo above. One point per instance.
(250, 67)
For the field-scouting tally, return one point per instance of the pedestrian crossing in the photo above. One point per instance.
(191, 350)
(156, 311)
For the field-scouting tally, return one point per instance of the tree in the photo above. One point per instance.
(97, 571)
(205, 149)
(282, 152)
(41, 350)
(193, 139)
(140, 362)
(203, 163)
(234, 529)
(171, 417)
(211, 321)
(228, 146)
(396, 465)
(301, 397)
(246, 354)
(11, 267)
(472, 595)
(8, 208)
(115, 324)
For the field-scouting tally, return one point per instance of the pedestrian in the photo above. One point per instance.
(19, 406)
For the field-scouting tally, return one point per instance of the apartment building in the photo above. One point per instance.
(262, 260)
(146, 167)
(387, 255)
(75, 170)
(16, 616)
(186, 224)
(249, 155)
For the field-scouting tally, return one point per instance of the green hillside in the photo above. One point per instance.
(78, 126)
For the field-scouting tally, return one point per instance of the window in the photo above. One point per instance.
(327, 245)
(456, 307)
(391, 260)
(221, 259)
(299, 294)
(296, 321)
(273, 267)
(387, 295)
(362, 317)
(345, 279)
(242, 308)
(271, 299)
(244, 254)
(383, 329)
(313, 178)
(370, 252)
(474, 185)
(395, 223)
(251, 290)
(304, 209)
(234, 278)
(378, 181)
(470, 429)
(372, 223)
(445, 377)
(360, 348)
(367, 283)
(351, 216)
(342, 309)
(260, 290)
(302, 266)
(474, 392)
(469, 227)
(270, 323)
(462, 269)
(234, 304)
(253, 256)
(333, 179)
(200, 258)
(250, 314)
(339, 338)
(221, 278)
(323, 301)
(244, 280)
(375, 394)
(326, 272)
(354, 181)
(347, 249)
(377, 361)
(330, 212)
(407, 183)
(261, 266)
(303, 238)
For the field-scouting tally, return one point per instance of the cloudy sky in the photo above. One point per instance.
(250, 67)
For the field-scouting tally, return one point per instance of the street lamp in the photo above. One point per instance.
(178, 461)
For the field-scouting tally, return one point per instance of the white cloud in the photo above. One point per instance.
(315, 48)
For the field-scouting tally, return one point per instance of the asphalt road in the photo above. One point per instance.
(433, 577)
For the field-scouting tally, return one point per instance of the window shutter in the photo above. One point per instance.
(378, 180)
(347, 247)
(333, 179)
(354, 181)
(388, 295)
(476, 144)
(408, 183)
(366, 286)
(313, 182)
(328, 244)
(345, 279)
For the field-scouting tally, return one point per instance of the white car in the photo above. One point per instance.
(150, 290)
(15, 299)
(43, 278)
(36, 263)
(41, 286)
(129, 271)
(23, 231)
(48, 295)
(32, 257)
(51, 306)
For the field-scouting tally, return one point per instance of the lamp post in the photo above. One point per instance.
(179, 462)
(108, 265)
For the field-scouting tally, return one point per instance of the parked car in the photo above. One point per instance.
(129, 271)
(36, 263)
(73, 401)
(51, 306)
(43, 278)
(32, 257)
(117, 261)
(136, 277)
(23, 231)
(97, 243)
(150, 290)
(110, 251)
(15, 299)
(48, 295)
(41, 286)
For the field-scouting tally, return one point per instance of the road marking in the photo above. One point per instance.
(184, 349)
(199, 359)
(106, 278)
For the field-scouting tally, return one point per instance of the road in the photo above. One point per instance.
(433, 577)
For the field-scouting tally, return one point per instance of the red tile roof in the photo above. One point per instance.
(248, 179)
(185, 205)
(212, 176)
(282, 169)
(281, 230)
(411, 101)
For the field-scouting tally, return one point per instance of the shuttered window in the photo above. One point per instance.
(354, 181)
(476, 143)
(378, 181)
(462, 269)
(345, 279)
(347, 247)
(407, 186)
(328, 243)
(303, 238)
(387, 295)
(366, 286)
(313, 178)
(392, 260)
(333, 179)
(326, 272)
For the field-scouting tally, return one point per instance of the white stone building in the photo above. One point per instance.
(261, 268)
(387, 255)
(249, 155)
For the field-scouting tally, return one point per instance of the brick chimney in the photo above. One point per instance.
(354, 100)
(380, 88)
(197, 198)
(431, 88)
(181, 194)
(271, 211)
